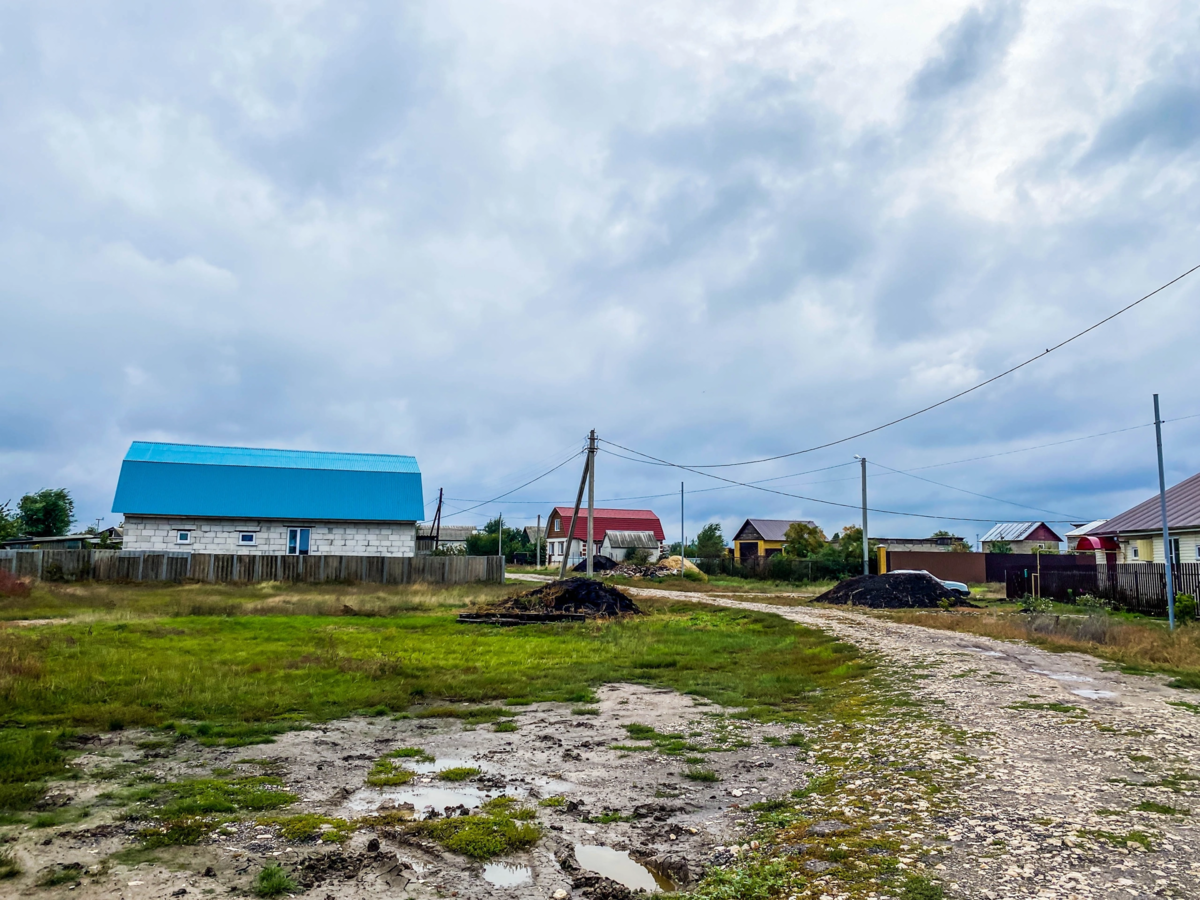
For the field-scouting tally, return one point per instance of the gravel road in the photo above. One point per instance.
(1060, 750)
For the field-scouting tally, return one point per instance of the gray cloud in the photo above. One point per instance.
(969, 49)
(472, 235)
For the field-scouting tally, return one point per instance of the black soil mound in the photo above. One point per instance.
(571, 600)
(896, 590)
(599, 564)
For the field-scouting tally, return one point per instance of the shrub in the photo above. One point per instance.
(273, 881)
(12, 586)
(1185, 608)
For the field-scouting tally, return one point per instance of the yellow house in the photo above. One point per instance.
(762, 537)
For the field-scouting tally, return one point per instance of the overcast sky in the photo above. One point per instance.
(712, 232)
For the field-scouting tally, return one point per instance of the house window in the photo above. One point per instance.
(247, 539)
(1133, 551)
(1174, 550)
(183, 537)
(298, 541)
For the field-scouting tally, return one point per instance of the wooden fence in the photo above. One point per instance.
(145, 565)
(1135, 587)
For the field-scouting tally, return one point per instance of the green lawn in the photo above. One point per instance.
(241, 677)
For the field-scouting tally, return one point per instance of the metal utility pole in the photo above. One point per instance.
(591, 534)
(562, 572)
(1162, 503)
(866, 552)
(537, 544)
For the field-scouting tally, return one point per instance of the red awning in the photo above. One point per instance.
(1097, 543)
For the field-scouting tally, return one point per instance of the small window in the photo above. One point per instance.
(183, 537)
(247, 538)
(298, 541)
(1198, 551)
(1174, 550)
(1134, 551)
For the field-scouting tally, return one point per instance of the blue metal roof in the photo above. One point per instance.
(252, 483)
(147, 451)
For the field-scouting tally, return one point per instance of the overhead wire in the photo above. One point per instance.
(952, 397)
(575, 455)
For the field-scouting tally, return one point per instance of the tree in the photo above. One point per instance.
(710, 543)
(10, 522)
(483, 543)
(847, 546)
(802, 540)
(999, 547)
(47, 513)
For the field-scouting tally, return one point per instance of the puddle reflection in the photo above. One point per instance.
(621, 868)
(506, 874)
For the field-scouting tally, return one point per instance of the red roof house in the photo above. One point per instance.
(603, 521)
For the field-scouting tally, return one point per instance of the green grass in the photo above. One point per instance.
(66, 874)
(458, 773)
(555, 801)
(272, 881)
(697, 774)
(502, 826)
(1161, 809)
(308, 826)
(388, 773)
(1120, 839)
(918, 887)
(9, 867)
(1064, 708)
(505, 726)
(239, 678)
(585, 710)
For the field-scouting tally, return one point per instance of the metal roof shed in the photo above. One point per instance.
(159, 479)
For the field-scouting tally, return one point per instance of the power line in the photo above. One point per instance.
(854, 506)
(962, 393)
(514, 490)
(974, 494)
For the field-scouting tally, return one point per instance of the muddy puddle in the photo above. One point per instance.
(621, 868)
(599, 807)
(506, 874)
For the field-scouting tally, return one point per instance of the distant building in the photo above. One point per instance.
(535, 533)
(450, 537)
(1076, 534)
(1021, 537)
(944, 544)
(257, 501)
(763, 537)
(603, 521)
(84, 540)
(618, 545)
(1138, 531)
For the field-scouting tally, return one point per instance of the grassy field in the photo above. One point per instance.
(235, 665)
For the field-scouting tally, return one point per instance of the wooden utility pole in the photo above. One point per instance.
(591, 534)
(1162, 505)
(562, 572)
(436, 527)
(537, 544)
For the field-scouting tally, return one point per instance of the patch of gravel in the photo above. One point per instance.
(1042, 760)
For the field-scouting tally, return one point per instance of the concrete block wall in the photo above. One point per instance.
(222, 536)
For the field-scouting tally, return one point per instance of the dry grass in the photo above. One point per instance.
(91, 601)
(1140, 644)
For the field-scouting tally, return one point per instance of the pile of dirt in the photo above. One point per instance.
(599, 564)
(569, 600)
(895, 590)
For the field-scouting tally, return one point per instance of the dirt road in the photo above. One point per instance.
(1075, 780)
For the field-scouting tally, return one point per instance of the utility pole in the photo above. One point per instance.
(537, 544)
(500, 534)
(436, 527)
(866, 552)
(562, 572)
(682, 537)
(591, 534)
(1162, 503)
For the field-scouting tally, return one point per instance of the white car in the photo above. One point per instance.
(957, 586)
